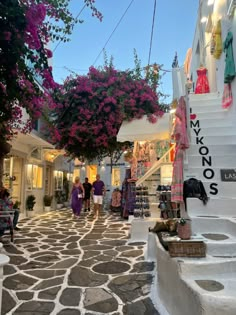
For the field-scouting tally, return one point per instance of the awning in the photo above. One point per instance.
(143, 130)
(32, 140)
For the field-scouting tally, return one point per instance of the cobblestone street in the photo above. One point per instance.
(60, 265)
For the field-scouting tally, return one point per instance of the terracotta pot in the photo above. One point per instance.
(184, 231)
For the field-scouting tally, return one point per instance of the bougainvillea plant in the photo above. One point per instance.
(27, 28)
(93, 107)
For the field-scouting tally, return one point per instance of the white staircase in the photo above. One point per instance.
(212, 148)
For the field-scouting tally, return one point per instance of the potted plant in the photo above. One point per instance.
(30, 202)
(59, 199)
(47, 200)
(184, 229)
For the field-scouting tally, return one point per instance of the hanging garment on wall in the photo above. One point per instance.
(202, 85)
(229, 59)
(182, 143)
(218, 40)
(193, 188)
(227, 98)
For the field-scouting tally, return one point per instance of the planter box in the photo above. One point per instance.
(30, 214)
(187, 249)
(47, 208)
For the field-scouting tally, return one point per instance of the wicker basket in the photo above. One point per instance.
(187, 249)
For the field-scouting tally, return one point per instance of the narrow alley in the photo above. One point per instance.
(60, 265)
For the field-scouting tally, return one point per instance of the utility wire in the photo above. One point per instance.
(113, 32)
(75, 18)
(153, 22)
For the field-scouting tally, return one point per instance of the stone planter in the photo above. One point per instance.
(47, 208)
(184, 231)
(30, 214)
(59, 206)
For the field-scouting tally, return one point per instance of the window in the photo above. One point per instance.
(115, 177)
(34, 176)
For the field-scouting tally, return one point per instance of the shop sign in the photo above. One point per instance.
(228, 175)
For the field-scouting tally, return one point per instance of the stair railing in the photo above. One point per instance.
(163, 160)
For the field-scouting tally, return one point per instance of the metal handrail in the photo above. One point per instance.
(155, 167)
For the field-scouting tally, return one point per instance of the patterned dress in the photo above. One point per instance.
(202, 85)
(182, 143)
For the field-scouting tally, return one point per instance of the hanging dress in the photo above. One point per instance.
(181, 138)
(202, 85)
(218, 41)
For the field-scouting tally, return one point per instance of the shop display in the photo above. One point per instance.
(168, 208)
(202, 85)
(142, 207)
(128, 195)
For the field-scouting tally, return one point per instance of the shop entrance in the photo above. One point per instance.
(91, 171)
(12, 178)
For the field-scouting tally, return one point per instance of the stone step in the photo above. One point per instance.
(213, 303)
(197, 172)
(207, 97)
(208, 122)
(213, 140)
(216, 114)
(214, 150)
(214, 130)
(221, 161)
(220, 207)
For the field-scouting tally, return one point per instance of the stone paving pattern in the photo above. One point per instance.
(65, 266)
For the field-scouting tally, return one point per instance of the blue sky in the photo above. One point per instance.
(174, 30)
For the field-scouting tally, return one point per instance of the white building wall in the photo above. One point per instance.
(201, 47)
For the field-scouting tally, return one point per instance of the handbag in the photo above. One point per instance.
(80, 196)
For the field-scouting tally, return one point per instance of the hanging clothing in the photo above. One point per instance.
(116, 199)
(227, 98)
(218, 41)
(193, 188)
(182, 143)
(177, 176)
(202, 85)
(187, 63)
(229, 59)
(128, 196)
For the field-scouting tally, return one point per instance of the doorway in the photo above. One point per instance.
(91, 171)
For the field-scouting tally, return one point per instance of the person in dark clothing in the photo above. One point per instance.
(6, 203)
(87, 189)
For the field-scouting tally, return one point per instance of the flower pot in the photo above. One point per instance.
(59, 206)
(47, 208)
(184, 231)
(30, 214)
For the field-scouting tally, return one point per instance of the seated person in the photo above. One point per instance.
(5, 205)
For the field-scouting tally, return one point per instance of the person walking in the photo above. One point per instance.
(99, 190)
(77, 195)
(87, 192)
